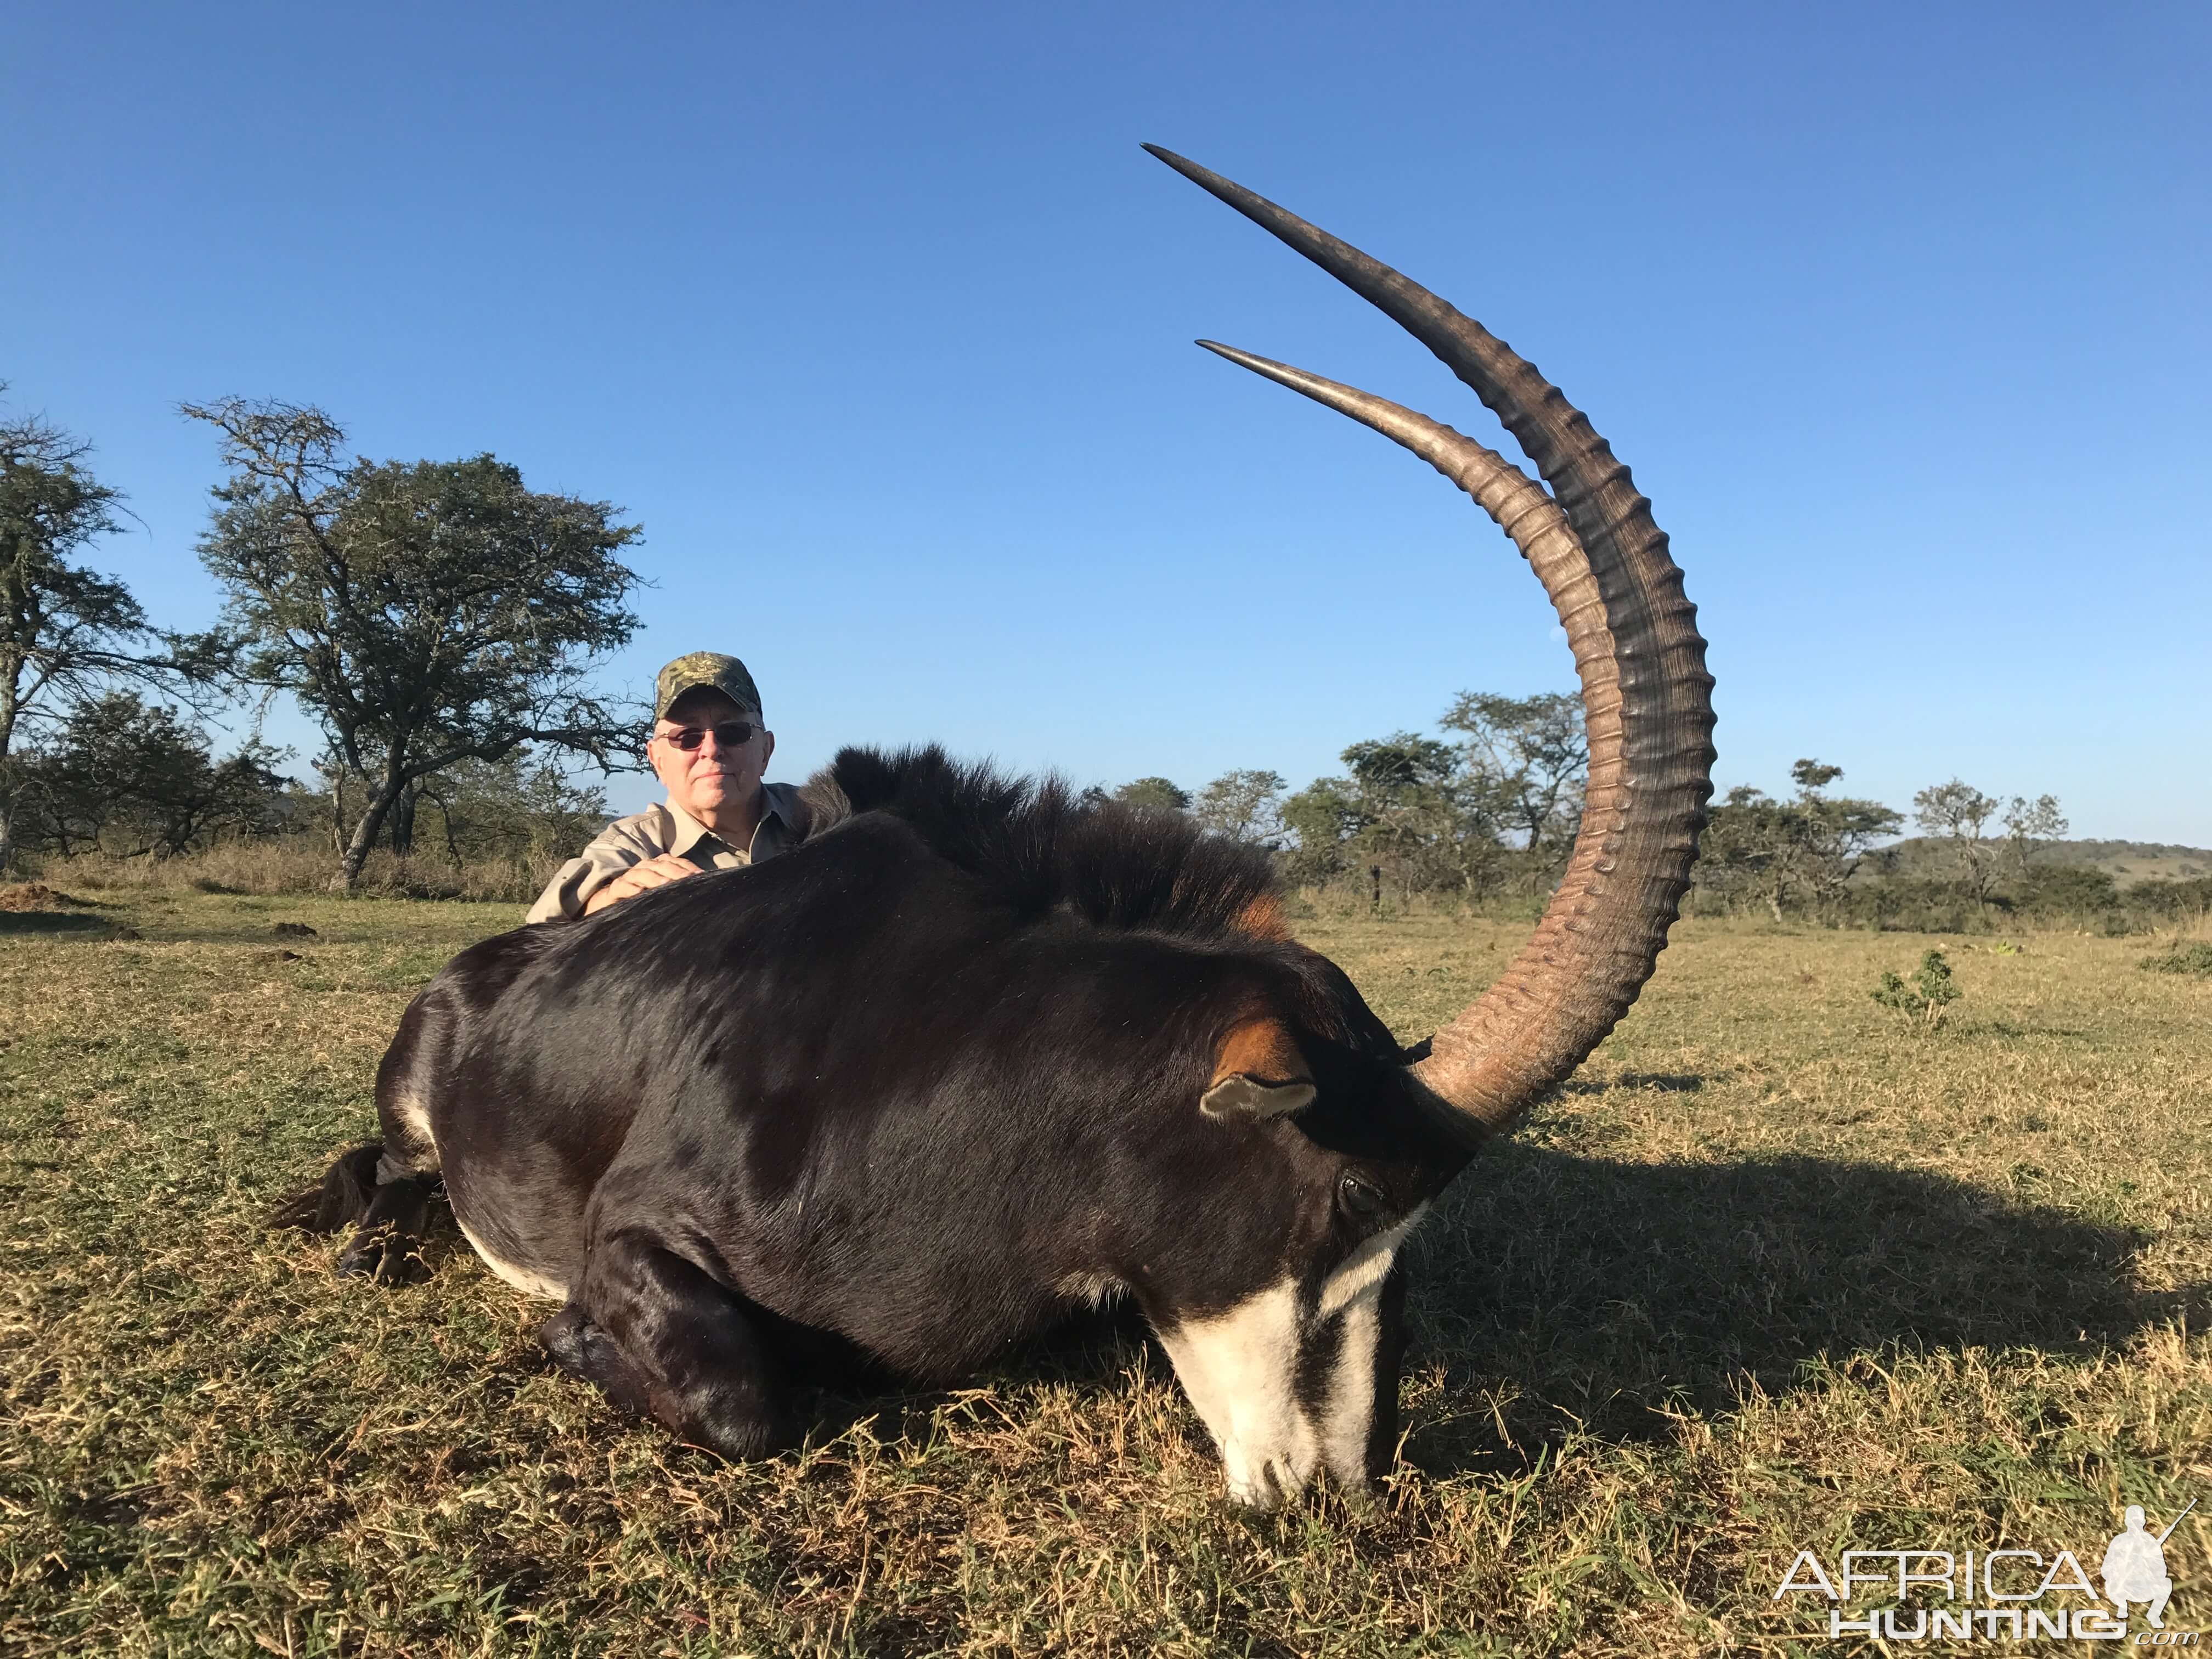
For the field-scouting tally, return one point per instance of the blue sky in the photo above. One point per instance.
(879, 321)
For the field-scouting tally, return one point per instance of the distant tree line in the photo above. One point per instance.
(438, 622)
(1492, 808)
(126, 779)
(1491, 811)
(1979, 861)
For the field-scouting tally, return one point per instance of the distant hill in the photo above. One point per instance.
(2127, 860)
(2136, 859)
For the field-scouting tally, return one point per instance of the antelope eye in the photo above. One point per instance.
(1361, 1200)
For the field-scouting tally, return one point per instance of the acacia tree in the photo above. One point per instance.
(66, 633)
(423, 613)
(1531, 755)
(1408, 810)
(2028, 823)
(1244, 805)
(1960, 814)
(1807, 846)
(1839, 830)
(1162, 794)
(131, 778)
(1320, 820)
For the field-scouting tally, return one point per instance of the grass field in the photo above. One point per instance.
(1772, 1273)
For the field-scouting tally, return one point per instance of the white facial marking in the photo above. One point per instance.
(1348, 1415)
(1240, 1371)
(1366, 1268)
(527, 1280)
(1355, 1290)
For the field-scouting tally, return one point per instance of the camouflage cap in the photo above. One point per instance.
(710, 668)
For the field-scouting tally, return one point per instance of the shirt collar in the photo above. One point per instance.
(690, 832)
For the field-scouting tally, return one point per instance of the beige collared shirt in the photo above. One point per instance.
(667, 829)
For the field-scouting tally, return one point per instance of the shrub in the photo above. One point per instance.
(1925, 1002)
(1920, 904)
(2171, 900)
(2195, 958)
(2067, 889)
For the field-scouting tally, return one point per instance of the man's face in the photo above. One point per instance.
(706, 780)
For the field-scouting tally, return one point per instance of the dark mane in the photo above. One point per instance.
(1044, 848)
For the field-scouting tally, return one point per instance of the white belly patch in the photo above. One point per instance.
(525, 1279)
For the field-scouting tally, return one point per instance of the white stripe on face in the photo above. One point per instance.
(1366, 1268)
(1240, 1371)
(1347, 1416)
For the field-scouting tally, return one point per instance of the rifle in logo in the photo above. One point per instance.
(2176, 1522)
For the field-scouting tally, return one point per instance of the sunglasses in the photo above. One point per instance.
(730, 734)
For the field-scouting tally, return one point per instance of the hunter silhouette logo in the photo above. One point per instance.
(2000, 1595)
(2135, 1566)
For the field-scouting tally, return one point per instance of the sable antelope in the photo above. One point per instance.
(976, 1053)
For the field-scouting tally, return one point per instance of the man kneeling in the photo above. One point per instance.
(2135, 1570)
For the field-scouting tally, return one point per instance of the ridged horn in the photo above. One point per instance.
(1647, 698)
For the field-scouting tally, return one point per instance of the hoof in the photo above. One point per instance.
(383, 1260)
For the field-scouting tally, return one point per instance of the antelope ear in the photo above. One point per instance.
(1247, 1097)
(1259, 1074)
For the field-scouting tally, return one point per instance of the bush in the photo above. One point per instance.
(2071, 896)
(1922, 905)
(2171, 900)
(2069, 890)
(1926, 1001)
(2195, 958)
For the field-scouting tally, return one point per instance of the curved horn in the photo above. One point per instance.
(1647, 699)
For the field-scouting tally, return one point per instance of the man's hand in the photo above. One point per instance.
(639, 877)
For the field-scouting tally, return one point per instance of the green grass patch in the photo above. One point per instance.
(1771, 1273)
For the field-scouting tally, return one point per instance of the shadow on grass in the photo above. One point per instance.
(1602, 1293)
(1583, 1293)
(18, 922)
(1594, 1295)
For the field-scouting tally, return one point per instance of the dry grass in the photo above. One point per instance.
(1774, 1272)
(303, 867)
